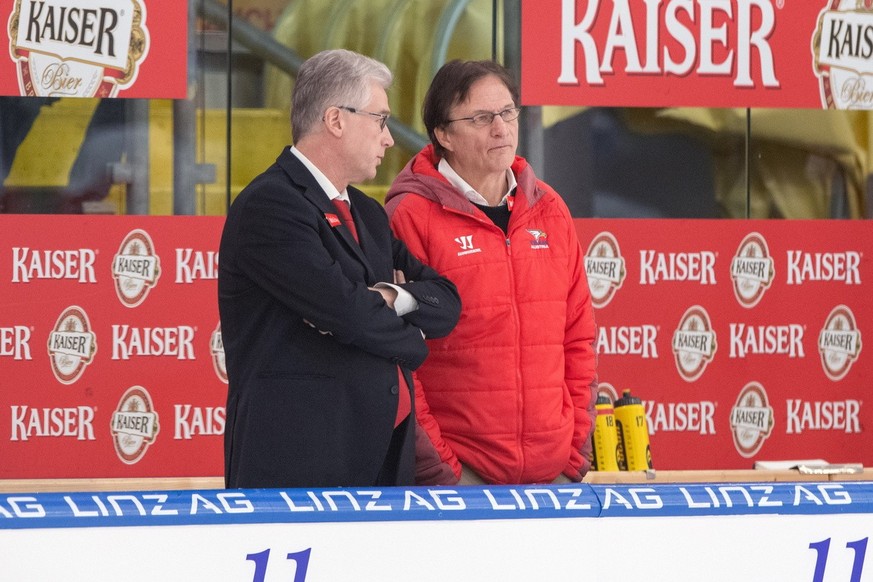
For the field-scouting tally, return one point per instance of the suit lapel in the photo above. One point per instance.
(309, 188)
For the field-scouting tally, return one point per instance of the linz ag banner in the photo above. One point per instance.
(714, 53)
(745, 341)
(94, 48)
(821, 532)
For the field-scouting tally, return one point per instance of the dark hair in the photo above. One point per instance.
(451, 85)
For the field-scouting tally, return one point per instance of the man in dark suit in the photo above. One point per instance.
(322, 320)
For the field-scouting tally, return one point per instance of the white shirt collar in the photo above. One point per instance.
(458, 182)
(322, 180)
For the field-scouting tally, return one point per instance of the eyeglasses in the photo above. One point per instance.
(383, 117)
(487, 118)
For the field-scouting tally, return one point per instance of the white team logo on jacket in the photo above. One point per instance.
(466, 244)
(540, 238)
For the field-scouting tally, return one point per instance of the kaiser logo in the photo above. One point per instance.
(604, 266)
(694, 343)
(839, 343)
(134, 425)
(77, 48)
(71, 345)
(674, 39)
(841, 49)
(15, 342)
(752, 270)
(135, 268)
(216, 345)
(751, 420)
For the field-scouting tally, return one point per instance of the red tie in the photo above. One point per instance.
(345, 214)
(404, 405)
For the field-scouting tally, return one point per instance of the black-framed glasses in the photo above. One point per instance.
(383, 117)
(487, 118)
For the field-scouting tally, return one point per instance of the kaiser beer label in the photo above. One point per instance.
(216, 345)
(752, 270)
(694, 343)
(751, 419)
(135, 268)
(77, 48)
(604, 267)
(841, 49)
(134, 425)
(71, 345)
(839, 343)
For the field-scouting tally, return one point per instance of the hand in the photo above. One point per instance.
(399, 277)
(387, 293)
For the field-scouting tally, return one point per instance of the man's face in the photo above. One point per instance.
(366, 141)
(478, 152)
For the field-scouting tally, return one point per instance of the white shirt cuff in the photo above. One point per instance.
(405, 302)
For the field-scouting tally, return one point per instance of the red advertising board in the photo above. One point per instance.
(719, 53)
(744, 340)
(109, 357)
(94, 48)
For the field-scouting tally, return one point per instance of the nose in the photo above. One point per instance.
(498, 126)
(387, 138)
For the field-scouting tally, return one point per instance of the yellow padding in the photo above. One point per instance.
(48, 153)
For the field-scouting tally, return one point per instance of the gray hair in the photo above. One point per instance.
(336, 77)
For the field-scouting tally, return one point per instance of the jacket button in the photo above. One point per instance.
(395, 389)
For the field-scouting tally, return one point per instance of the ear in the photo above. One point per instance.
(444, 137)
(333, 121)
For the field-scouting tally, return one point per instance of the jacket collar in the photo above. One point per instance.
(421, 177)
(309, 187)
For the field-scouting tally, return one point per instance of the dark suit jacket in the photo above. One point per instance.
(304, 408)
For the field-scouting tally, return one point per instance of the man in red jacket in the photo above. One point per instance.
(508, 396)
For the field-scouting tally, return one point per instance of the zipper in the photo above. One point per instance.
(517, 321)
(517, 355)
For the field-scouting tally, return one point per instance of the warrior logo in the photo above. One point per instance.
(135, 268)
(71, 345)
(839, 343)
(841, 49)
(216, 345)
(694, 343)
(751, 419)
(604, 266)
(466, 244)
(77, 48)
(134, 425)
(752, 270)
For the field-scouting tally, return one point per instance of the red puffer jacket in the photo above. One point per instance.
(511, 391)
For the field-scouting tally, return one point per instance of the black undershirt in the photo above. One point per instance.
(499, 215)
